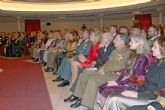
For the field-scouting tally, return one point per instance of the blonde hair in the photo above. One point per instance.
(143, 46)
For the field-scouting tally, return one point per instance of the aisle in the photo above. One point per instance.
(22, 86)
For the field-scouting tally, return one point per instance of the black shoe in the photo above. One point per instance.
(71, 99)
(76, 104)
(41, 62)
(46, 69)
(54, 73)
(44, 63)
(35, 60)
(58, 79)
(49, 69)
(64, 83)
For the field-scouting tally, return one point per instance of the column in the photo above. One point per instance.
(160, 18)
(19, 24)
(101, 21)
(160, 12)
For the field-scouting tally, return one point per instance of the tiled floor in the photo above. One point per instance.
(58, 94)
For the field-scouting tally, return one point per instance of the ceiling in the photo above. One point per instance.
(152, 7)
(15, 5)
(50, 1)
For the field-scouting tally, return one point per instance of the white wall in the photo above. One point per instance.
(11, 26)
(69, 24)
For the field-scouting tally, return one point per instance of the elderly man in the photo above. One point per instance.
(88, 83)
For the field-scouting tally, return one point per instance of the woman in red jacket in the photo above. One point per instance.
(86, 61)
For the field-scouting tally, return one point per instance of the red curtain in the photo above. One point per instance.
(32, 25)
(144, 20)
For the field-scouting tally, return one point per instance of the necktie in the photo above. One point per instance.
(105, 48)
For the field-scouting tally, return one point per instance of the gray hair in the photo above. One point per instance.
(109, 36)
(143, 46)
(125, 38)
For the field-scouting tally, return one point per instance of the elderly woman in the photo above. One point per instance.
(135, 70)
(154, 81)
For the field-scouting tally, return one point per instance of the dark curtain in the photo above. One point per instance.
(32, 25)
(144, 20)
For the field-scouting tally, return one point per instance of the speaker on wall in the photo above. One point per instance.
(48, 24)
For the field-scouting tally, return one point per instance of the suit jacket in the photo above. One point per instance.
(53, 43)
(154, 80)
(103, 56)
(23, 43)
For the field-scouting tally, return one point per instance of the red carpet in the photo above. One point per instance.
(22, 86)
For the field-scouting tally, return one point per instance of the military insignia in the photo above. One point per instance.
(85, 45)
(118, 57)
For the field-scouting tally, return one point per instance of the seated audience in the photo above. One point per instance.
(152, 34)
(133, 74)
(69, 51)
(86, 89)
(61, 52)
(144, 32)
(22, 44)
(124, 29)
(49, 47)
(135, 30)
(82, 47)
(54, 51)
(45, 46)
(32, 39)
(105, 49)
(12, 45)
(38, 44)
(113, 30)
(86, 61)
(154, 81)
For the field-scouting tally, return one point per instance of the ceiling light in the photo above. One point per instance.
(76, 6)
(137, 12)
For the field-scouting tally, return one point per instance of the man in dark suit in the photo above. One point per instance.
(104, 52)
